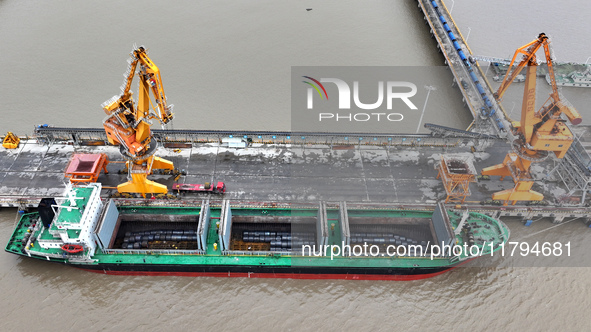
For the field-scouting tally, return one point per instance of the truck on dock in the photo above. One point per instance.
(214, 188)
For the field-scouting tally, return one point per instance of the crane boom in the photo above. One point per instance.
(150, 79)
(554, 106)
(128, 125)
(528, 52)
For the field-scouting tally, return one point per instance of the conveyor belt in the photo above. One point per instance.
(42, 131)
(448, 131)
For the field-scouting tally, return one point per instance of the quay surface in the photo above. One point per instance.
(401, 174)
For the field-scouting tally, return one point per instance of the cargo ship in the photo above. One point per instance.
(579, 79)
(226, 238)
(566, 74)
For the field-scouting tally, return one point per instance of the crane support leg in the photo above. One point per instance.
(139, 171)
(497, 170)
(505, 169)
(521, 192)
(140, 184)
(161, 163)
(517, 168)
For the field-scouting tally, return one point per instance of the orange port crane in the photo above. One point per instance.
(129, 126)
(538, 132)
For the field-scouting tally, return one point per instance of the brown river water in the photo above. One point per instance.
(226, 65)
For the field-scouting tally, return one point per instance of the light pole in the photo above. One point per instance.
(429, 89)
(452, 6)
(587, 60)
(468, 35)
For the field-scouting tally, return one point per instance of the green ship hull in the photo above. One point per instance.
(254, 239)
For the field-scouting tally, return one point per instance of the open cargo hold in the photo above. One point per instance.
(280, 228)
(136, 230)
(287, 229)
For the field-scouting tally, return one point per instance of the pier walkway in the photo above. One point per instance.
(461, 72)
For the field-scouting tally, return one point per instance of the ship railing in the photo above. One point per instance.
(63, 255)
(425, 255)
(56, 243)
(151, 252)
(51, 135)
(260, 253)
(81, 259)
(299, 253)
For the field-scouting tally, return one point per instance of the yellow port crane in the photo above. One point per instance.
(129, 126)
(538, 132)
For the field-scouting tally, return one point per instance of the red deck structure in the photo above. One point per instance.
(86, 167)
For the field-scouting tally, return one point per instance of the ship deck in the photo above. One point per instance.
(485, 228)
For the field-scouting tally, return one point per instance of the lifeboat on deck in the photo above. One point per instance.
(72, 248)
